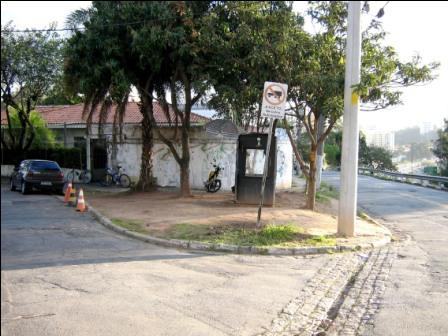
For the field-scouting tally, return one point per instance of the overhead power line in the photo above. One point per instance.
(149, 20)
(83, 28)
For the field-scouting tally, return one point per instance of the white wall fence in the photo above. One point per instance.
(203, 153)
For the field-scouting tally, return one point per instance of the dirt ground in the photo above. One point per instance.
(158, 210)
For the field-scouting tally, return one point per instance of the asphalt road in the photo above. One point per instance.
(416, 299)
(62, 273)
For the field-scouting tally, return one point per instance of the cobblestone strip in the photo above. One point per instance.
(305, 313)
(364, 297)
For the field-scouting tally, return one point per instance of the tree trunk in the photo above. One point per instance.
(311, 196)
(298, 137)
(146, 181)
(185, 189)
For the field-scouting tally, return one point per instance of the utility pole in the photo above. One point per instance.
(88, 162)
(65, 135)
(350, 137)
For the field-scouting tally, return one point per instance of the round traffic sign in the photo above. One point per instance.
(274, 94)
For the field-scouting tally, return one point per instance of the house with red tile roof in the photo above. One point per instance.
(70, 127)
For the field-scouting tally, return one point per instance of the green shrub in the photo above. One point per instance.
(65, 157)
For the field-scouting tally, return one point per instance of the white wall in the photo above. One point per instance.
(166, 169)
(7, 170)
(284, 165)
(129, 158)
(204, 151)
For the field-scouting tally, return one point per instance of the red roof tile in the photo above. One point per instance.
(72, 114)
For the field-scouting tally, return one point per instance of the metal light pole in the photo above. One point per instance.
(350, 137)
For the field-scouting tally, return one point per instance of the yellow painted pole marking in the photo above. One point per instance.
(355, 98)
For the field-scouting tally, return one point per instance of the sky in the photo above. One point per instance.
(413, 27)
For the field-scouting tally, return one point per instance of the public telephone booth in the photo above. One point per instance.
(250, 160)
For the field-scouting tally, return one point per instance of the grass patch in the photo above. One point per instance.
(129, 225)
(321, 241)
(326, 192)
(271, 235)
(363, 215)
(187, 231)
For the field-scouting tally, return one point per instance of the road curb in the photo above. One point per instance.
(202, 246)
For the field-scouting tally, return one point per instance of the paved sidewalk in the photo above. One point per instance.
(95, 187)
(341, 299)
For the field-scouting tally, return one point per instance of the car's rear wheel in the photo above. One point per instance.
(24, 188)
(12, 186)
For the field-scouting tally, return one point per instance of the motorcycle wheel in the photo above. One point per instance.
(214, 186)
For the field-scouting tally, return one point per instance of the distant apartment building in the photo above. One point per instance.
(426, 127)
(385, 140)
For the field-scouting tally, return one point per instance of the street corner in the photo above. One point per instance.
(367, 236)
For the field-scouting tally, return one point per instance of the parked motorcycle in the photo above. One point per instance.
(213, 184)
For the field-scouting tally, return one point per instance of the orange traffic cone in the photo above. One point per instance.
(67, 192)
(72, 200)
(81, 205)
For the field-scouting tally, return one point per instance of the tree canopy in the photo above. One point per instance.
(155, 47)
(255, 42)
(317, 87)
(441, 149)
(43, 136)
(31, 63)
(175, 51)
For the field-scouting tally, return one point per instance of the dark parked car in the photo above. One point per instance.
(39, 174)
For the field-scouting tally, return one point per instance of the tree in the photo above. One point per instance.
(441, 149)
(154, 47)
(31, 62)
(101, 66)
(317, 83)
(186, 55)
(333, 146)
(363, 150)
(254, 41)
(368, 156)
(57, 95)
(43, 136)
(312, 65)
(377, 158)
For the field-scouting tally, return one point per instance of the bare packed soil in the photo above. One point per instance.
(159, 210)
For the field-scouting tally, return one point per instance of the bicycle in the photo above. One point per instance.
(83, 176)
(118, 178)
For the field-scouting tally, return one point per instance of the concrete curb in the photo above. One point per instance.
(202, 246)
